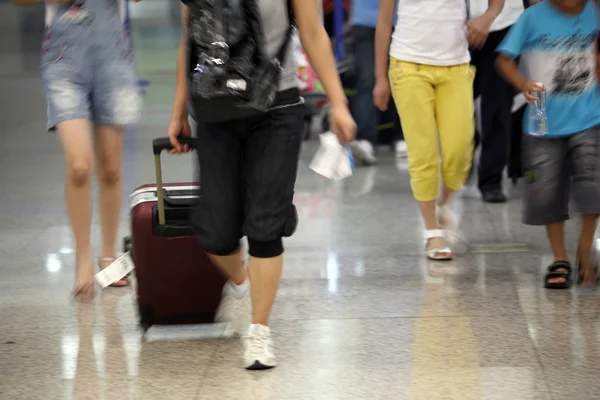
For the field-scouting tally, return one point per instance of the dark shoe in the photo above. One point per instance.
(558, 270)
(494, 196)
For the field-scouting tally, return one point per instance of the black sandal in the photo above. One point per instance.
(559, 269)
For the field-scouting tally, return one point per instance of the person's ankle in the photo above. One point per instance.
(240, 290)
(84, 257)
(239, 280)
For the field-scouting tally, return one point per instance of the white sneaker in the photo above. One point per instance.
(400, 149)
(258, 348)
(363, 151)
(235, 309)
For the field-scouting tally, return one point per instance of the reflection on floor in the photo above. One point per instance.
(360, 313)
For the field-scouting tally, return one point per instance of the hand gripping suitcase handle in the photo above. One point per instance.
(161, 144)
(158, 146)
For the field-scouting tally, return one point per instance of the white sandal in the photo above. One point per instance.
(451, 229)
(434, 254)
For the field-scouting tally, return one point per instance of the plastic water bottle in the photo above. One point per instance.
(538, 121)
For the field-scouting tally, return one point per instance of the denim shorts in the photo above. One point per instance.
(558, 170)
(88, 70)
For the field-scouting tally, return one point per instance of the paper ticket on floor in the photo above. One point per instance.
(332, 160)
(115, 271)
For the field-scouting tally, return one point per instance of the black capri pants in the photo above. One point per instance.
(248, 172)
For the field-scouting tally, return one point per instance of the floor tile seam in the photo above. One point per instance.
(536, 350)
(454, 316)
(135, 328)
(492, 220)
(548, 314)
(206, 368)
(537, 353)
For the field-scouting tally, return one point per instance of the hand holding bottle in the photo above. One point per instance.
(530, 89)
(535, 93)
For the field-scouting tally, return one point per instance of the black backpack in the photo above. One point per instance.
(231, 76)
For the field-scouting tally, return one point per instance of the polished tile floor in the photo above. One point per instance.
(360, 314)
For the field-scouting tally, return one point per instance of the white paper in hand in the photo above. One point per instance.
(117, 270)
(346, 166)
(332, 160)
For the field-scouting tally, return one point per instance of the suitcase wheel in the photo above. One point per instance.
(126, 244)
(146, 317)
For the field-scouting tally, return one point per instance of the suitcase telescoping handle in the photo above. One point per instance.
(158, 146)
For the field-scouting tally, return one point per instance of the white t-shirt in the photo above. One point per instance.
(432, 32)
(509, 15)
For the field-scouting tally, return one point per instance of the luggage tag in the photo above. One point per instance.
(117, 270)
(76, 14)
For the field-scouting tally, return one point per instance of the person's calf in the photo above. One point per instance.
(265, 266)
(587, 267)
(230, 264)
(234, 309)
(556, 237)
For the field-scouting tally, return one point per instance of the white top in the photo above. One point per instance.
(432, 32)
(509, 15)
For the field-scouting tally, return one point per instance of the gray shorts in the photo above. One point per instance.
(557, 170)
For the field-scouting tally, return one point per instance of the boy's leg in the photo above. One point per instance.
(584, 156)
(270, 165)
(587, 272)
(556, 236)
(546, 197)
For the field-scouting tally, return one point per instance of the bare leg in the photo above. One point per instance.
(234, 309)
(445, 196)
(556, 236)
(448, 219)
(76, 141)
(109, 153)
(265, 274)
(586, 245)
(231, 266)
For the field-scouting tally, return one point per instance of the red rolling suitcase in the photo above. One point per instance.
(176, 281)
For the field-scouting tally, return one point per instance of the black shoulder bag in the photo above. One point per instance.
(231, 75)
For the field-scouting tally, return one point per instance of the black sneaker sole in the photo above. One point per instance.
(257, 366)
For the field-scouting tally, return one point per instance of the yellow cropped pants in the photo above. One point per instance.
(436, 110)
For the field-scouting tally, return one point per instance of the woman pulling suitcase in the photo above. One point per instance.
(248, 165)
(89, 81)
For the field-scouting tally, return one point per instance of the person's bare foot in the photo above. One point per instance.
(587, 272)
(104, 262)
(438, 243)
(84, 287)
